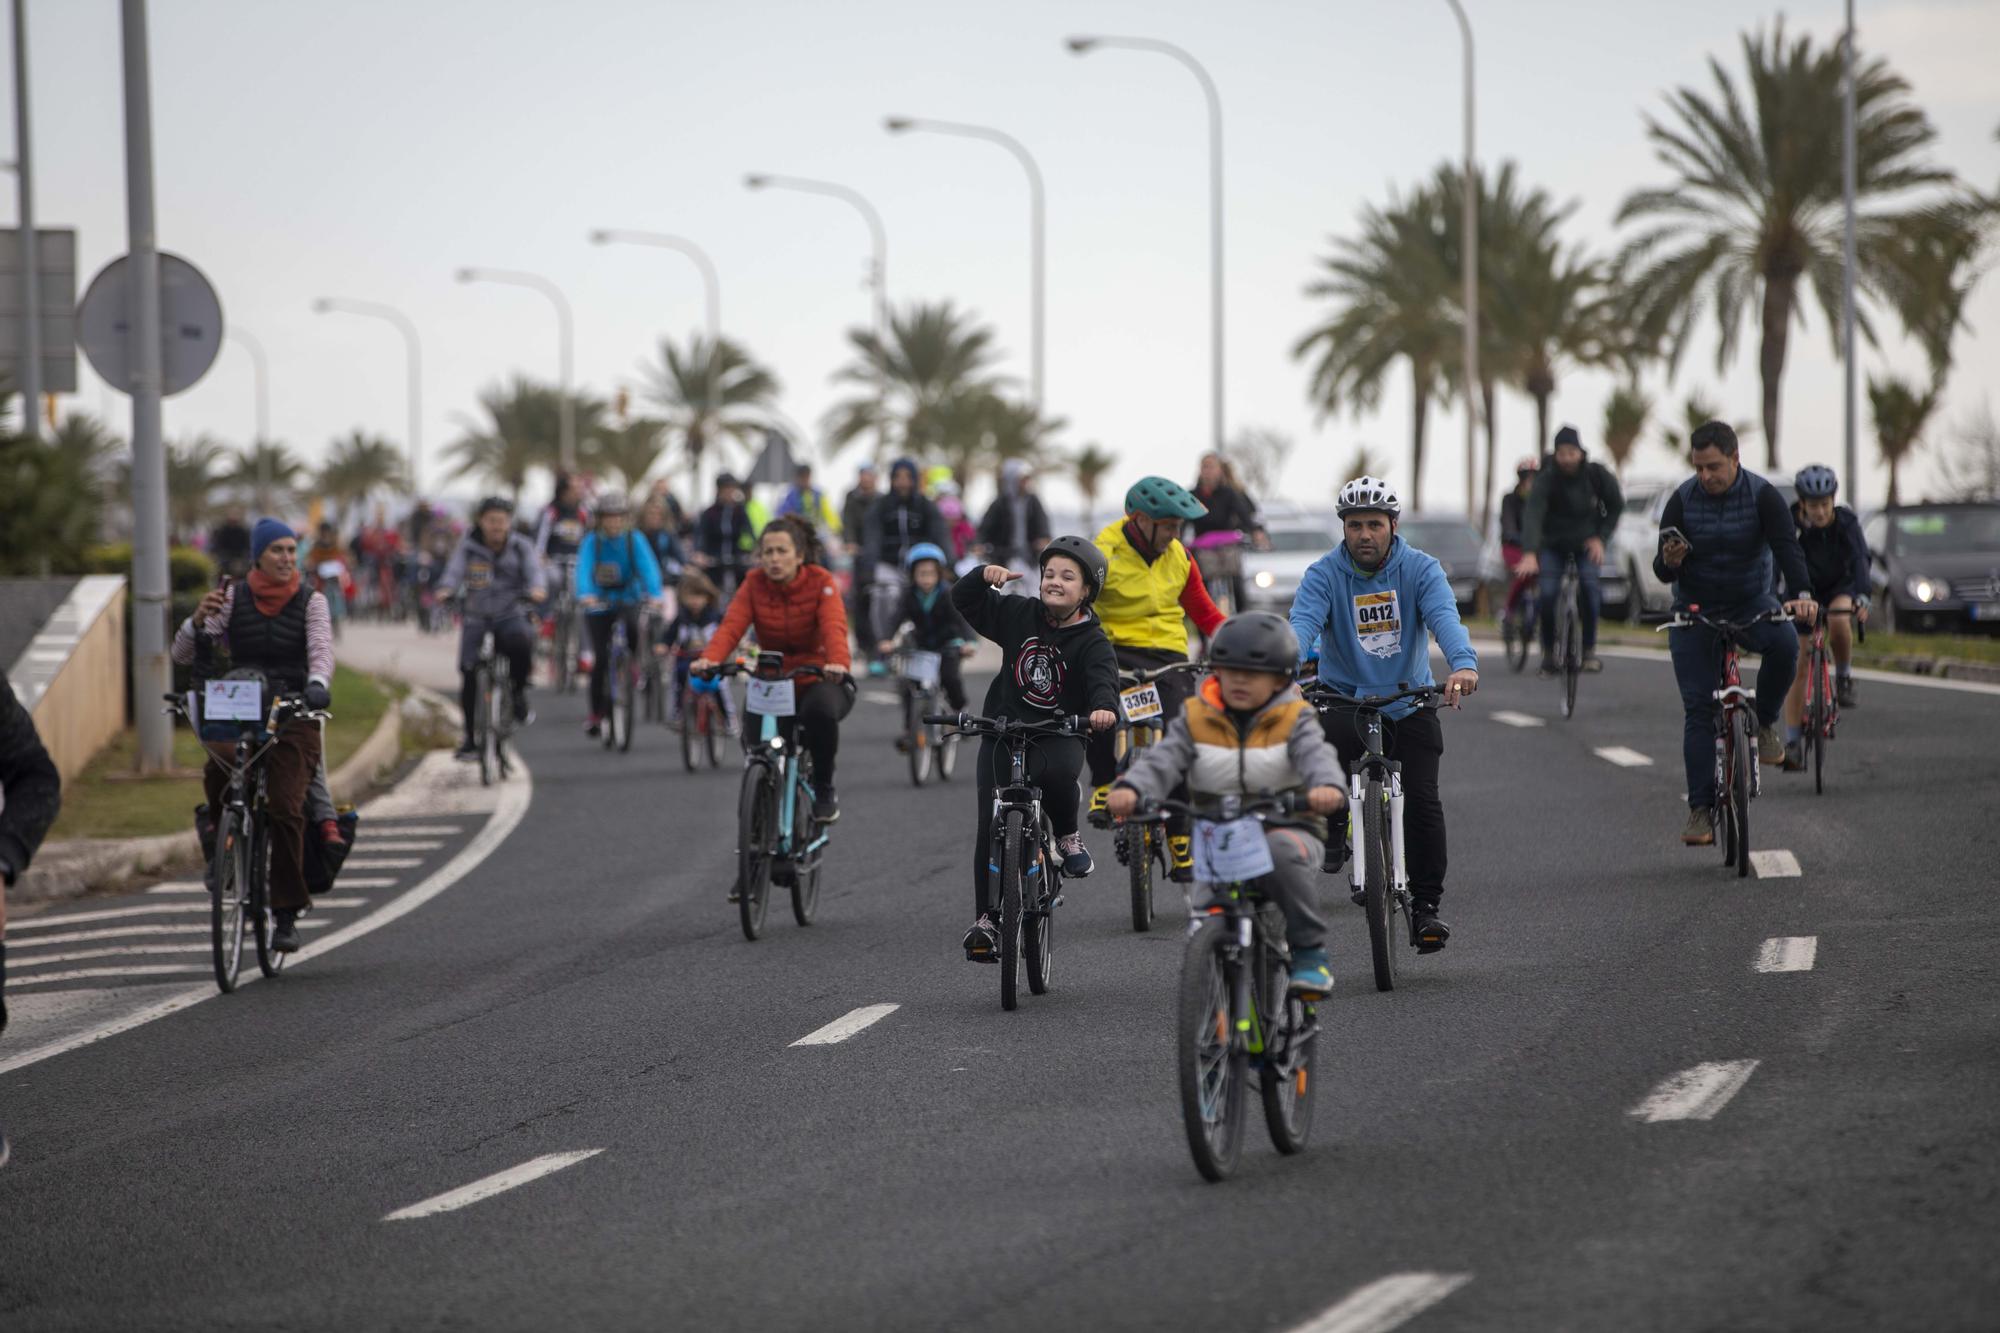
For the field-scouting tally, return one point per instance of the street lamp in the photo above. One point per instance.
(566, 339)
(262, 382)
(376, 310)
(711, 286)
(31, 278)
(1037, 278)
(1469, 277)
(1083, 46)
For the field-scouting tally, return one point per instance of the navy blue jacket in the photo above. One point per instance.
(1734, 538)
(1836, 555)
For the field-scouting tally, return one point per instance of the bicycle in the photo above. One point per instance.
(1022, 856)
(230, 711)
(562, 625)
(493, 710)
(652, 667)
(1737, 781)
(702, 722)
(621, 683)
(1822, 700)
(931, 749)
(1569, 636)
(777, 839)
(1517, 628)
(1377, 868)
(1236, 1011)
(1142, 848)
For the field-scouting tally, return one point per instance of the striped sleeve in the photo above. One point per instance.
(215, 627)
(319, 639)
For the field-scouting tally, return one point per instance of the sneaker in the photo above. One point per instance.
(1795, 756)
(1427, 932)
(1312, 974)
(878, 668)
(594, 727)
(1770, 745)
(284, 931)
(826, 806)
(903, 744)
(1180, 859)
(1843, 690)
(329, 833)
(1336, 847)
(1076, 862)
(467, 751)
(1592, 662)
(982, 942)
(1099, 816)
(1547, 669)
(524, 716)
(1699, 831)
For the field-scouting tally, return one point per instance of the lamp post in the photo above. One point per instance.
(711, 286)
(1084, 45)
(414, 374)
(1038, 280)
(566, 338)
(31, 277)
(1851, 457)
(261, 378)
(1469, 276)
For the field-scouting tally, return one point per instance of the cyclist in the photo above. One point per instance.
(275, 623)
(657, 531)
(1054, 662)
(1370, 605)
(810, 503)
(1015, 527)
(30, 798)
(1513, 517)
(725, 540)
(1717, 532)
(1152, 590)
(935, 623)
(496, 569)
(898, 520)
(697, 611)
(793, 605)
(1836, 555)
(1217, 536)
(562, 526)
(1249, 732)
(1571, 512)
(616, 575)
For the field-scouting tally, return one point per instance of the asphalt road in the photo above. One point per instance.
(1496, 1144)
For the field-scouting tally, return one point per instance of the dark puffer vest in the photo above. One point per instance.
(274, 645)
(1730, 565)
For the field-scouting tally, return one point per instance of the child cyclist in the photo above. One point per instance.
(935, 624)
(1248, 731)
(1054, 662)
(698, 610)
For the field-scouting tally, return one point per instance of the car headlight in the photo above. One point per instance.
(1927, 590)
(1265, 578)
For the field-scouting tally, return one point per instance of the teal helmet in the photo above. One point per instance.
(1156, 497)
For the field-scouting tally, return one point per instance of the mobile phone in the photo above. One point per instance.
(1675, 535)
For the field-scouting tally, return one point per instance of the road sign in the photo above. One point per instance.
(190, 324)
(55, 255)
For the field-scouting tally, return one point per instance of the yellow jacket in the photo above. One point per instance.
(1141, 603)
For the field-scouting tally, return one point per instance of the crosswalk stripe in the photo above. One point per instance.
(384, 862)
(90, 973)
(415, 830)
(1385, 1303)
(118, 932)
(118, 951)
(154, 909)
(407, 845)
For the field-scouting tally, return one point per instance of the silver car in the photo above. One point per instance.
(1271, 578)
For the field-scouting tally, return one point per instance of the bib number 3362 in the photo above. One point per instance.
(1141, 703)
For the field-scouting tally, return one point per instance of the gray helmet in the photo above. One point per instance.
(612, 504)
(1256, 641)
(1085, 553)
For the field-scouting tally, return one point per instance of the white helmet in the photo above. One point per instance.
(1368, 493)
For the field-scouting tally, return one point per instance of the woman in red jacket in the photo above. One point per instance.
(794, 607)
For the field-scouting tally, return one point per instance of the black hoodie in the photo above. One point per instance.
(1045, 671)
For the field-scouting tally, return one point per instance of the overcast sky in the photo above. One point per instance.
(370, 147)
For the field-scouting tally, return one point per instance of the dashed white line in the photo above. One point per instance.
(874, 698)
(1778, 864)
(346, 882)
(385, 862)
(840, 1029)
(1622, 756)
(414, 830)
(1695, 1094)
(1385, 1303)
(498, 1183)
(1788, 953)
(1508, 717)
(406, 845)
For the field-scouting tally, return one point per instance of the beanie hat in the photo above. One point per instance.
(1568, 435)
(268, 530)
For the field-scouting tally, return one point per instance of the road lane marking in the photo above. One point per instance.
(385, 862)
(1775, 865)
(346, 882)
(1508, 717)
(119, 951)
(85, 973)
(1695, 1094)
(1385, 1303)
(150, 909)
(401, 844)
(1623, 757)
(840, 1029)
(180, 886)
(416, 830)
(1788, 953)
(120, 932)
(497, 1183)
(888, 699)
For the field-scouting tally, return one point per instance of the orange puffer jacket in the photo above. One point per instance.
(804, 619)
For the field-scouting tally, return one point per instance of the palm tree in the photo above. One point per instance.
(1755, 206)
(1697, 410)
(927, 383)
(1625, 414)
(193, 473)
(1901, 414)
(711, 391)
(270, 472)
(628, 451)
(1391, 290)
(51, 504)
(357, 466)
(521, 431)
(1364, 462)
(1089, 465)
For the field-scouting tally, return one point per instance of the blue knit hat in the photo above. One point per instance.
(268, 530)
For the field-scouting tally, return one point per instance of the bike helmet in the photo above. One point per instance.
(1528, 466)
(613, 504)
(493, 502)
(1156, 497)
(1085, 553)
(1816, 481)
(1364, 494)
(1255, 641)
(925, 551)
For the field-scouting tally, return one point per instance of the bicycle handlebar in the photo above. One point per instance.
(1132, 678)
(971, 724)
(1692, 616)
(1317, 693)
(1279, 803)
(750, 669)
(289, 705)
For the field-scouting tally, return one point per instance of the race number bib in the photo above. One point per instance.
(609, 575)
(771, 698)
(922, 669)
(1378, 621)
(232, 701)
(478, 575)
(569, 530)
(1232, 852)
(1140, 703)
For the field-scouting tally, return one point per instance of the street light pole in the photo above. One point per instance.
(1469, 275)
(415, 369)
(261, 373)
(1082, 45)
(711, 285)
(31, 275)
(1037, 278)
(1849, 399)
(566, 336)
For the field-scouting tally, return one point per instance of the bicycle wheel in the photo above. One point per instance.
(916, 736)
(1038, 917)
(1286, 1082)
(711, 731)
(226, 901)
(1212, 1069)
(628, 702)
(690, 720)
(944, 753)
(565, 665)
(805, 865)
(1377, 899)
(1141, 846)
(1819, 710)
(269, 961)
(1572, 652)
(1013, 839)
(489, 743)
(1739, 796)
(756, 830)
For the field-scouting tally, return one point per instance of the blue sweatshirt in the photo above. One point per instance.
(1371, 632)
(622, 572)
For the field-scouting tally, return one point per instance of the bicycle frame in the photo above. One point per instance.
(779, 752)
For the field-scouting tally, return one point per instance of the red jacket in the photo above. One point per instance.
(805, 619)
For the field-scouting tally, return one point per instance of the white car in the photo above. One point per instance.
(1271, 578)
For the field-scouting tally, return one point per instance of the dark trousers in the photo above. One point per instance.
(1054, 764)
(821, 705)
(290, 765)
(951, 677)
(513, 640)
(1589, 597)
(1697, 653)
(1417, 743)
(1175, 690)
(599, 624)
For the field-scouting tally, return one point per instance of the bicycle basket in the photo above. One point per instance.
(243, 702)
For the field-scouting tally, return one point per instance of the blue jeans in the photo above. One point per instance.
(1698, 671)
(1588, 598)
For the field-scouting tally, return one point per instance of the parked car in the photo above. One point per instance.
(1936, 566)
(1637, 539)
(1455, 542)
(1271, 578)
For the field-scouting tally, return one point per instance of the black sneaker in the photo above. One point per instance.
(284, 931)
(1427, 932)
(466, 752)
(1843, 690)
(1336, 852)
(826, 806)
(982, 942)
(1547, 669)
(1592, 663)
(524, 716)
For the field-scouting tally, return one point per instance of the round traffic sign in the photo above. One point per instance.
(190, 324)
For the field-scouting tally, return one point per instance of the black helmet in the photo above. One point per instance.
(1255, 641)
(1085, 553)
(495, 502)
